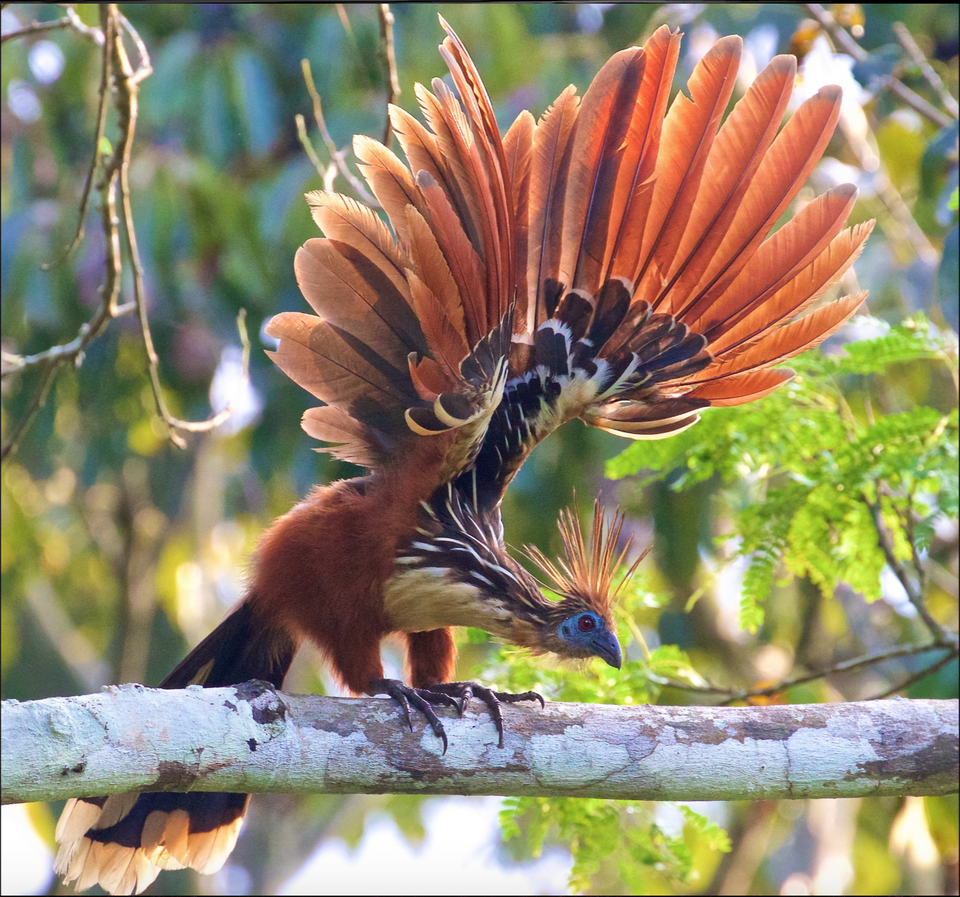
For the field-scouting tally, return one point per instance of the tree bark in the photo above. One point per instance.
(250, 738)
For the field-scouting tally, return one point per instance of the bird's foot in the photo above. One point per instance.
(424, 699)
(462, 691)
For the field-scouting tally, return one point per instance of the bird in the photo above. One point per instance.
(611, 261)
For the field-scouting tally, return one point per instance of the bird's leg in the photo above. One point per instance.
(424, 699)
(493, 699)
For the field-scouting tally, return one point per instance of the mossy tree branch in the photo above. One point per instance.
(253, 739)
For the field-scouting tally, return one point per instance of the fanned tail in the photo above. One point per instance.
(121, 842)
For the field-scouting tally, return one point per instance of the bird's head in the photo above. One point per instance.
(581, 625)
(575, 629)
(456, 571)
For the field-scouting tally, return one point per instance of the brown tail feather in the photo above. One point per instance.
(121, 842)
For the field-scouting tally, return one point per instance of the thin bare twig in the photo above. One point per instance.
(89, 31)
(337, 155)
(119, 79)
(39, 400)
(916, 677)
(36, 28)
(843, 667)
(89, 330)
(127, 86)
(144, 70)
(390, 58)
(345, 20)
(109, 292)
(304, 138)
(94, 162)
(942, 636)
(72, 21)
(850, 46)
(928, 71)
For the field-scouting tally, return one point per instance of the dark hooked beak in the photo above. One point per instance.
(605, 645)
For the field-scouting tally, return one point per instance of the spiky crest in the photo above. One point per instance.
(586, 572)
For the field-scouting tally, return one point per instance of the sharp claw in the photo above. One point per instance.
(450, 694)
(421, 698)
(526, 696)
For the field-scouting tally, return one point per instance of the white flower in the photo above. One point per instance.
(46, 61)
(822, 67)
(231, 387)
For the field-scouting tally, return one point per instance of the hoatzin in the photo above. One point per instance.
(608, 262)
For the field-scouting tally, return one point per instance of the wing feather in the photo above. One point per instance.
(518, 149)
(602, 126)
(734, 160)
(547, 184)
(688, 134)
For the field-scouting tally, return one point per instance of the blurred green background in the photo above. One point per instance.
(120, 551)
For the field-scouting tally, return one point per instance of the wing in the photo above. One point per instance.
(410, 335)
(648, 287)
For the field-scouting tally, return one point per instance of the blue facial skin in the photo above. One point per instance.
(588, 632)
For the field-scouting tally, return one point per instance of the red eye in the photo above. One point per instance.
(586, 623)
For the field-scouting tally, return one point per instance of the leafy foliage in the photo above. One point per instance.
(823, 474)
(600, 832)
(820, 475)
(595, 829)
(111, 567)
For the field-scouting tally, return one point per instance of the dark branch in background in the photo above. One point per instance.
(846, 666)
(850, 46)
(337, 156)
(919, 675)
(390, 59)
(119, 84)
(913, 585)
(921, 61)
(338, 164)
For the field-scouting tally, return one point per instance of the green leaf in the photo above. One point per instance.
(805, 470)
